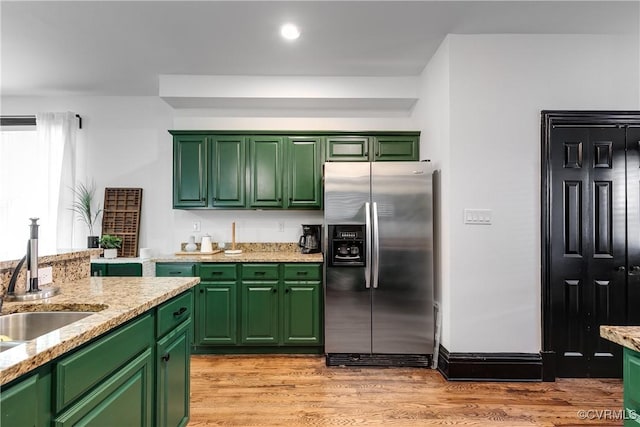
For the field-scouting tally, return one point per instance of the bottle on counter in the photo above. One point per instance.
(191, 244)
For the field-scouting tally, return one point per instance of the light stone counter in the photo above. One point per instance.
(253, 256)
(115, 300)
(626, 336)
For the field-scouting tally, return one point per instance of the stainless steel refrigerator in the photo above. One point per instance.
(378, 236)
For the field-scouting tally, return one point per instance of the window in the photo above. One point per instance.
(29, 187)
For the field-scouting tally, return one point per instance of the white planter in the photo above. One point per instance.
(110, 253)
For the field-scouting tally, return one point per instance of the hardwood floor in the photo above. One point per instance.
(270, 390)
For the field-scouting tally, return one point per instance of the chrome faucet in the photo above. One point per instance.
(33, 290)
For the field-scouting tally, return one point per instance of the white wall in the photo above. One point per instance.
(129, 146)
(498, 86)
(431, 115)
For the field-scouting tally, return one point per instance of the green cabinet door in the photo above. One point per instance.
(631, 374)
(259, 309)
(347, 148)
(265, 171)
(304, 176)
(189, 171)
(227, 171)
(175, 269)
(395, 148)
(302, 313)
(216, 315)
(124, 399)
(27, 401)
(172, 377)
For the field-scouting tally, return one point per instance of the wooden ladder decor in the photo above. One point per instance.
(121, 217)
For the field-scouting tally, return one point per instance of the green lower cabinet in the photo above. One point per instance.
(172, 377)
(27, 402)
(128, 269)
(175, 269)
(216, 314)
(631, 374)
(123, 399)
(258, 307)
(302, 320)
(259, 310)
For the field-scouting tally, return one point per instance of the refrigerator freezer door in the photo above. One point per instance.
(347, 299)
(402, 303)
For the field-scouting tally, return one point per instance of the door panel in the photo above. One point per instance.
(265, 185)
(190, 171)
(228, 160)
(402, 307)
(347, 299)
(633, 225)
(347, 311)
(588, 238)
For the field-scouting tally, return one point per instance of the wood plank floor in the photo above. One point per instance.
(270, 390)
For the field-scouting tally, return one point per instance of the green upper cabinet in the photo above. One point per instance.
(348, 148)
(377, 148)
(304, 172)
(270, 169)
(227, 171)
(395, 148)
(190, 171)
(265, 171)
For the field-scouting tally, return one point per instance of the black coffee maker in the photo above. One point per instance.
(310, 241)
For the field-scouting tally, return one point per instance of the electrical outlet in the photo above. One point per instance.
(195, 226)
(281, 226)
(45, 275)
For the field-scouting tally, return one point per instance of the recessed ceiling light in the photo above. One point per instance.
(289, 32)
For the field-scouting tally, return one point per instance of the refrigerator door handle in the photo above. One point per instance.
(376, 246)
(367, 264)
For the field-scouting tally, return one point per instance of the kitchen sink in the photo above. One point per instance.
(27, 326)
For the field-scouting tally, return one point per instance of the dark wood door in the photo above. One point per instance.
(594, 195)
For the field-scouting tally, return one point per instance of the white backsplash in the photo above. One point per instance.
(251, 225)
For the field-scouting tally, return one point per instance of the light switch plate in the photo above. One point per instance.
(478, 216)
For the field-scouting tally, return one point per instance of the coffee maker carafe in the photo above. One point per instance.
(310, 240)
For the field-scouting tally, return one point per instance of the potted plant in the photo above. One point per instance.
(83, 206)
(110, 244)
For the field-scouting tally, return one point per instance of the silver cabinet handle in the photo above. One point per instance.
(376, 246)
(367, 263)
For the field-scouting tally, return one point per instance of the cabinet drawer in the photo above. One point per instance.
(175, 269)
(260, 271)
(302, 271)
(218, 272)
(173, 312)
(86, 368)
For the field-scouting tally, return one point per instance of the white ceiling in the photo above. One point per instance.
(120, 48)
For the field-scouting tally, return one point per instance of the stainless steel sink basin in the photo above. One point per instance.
(27, 326)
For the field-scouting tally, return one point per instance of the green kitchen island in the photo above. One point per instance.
(629, 338)
(125, 364)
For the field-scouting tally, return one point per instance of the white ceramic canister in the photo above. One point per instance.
(206, 245)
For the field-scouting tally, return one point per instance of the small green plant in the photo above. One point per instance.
(108, 241)
(82, 204)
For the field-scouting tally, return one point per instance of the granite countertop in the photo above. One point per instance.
(627, 336)
(115, 301)
(252, 256)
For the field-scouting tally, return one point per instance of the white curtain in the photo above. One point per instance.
(58, 133)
